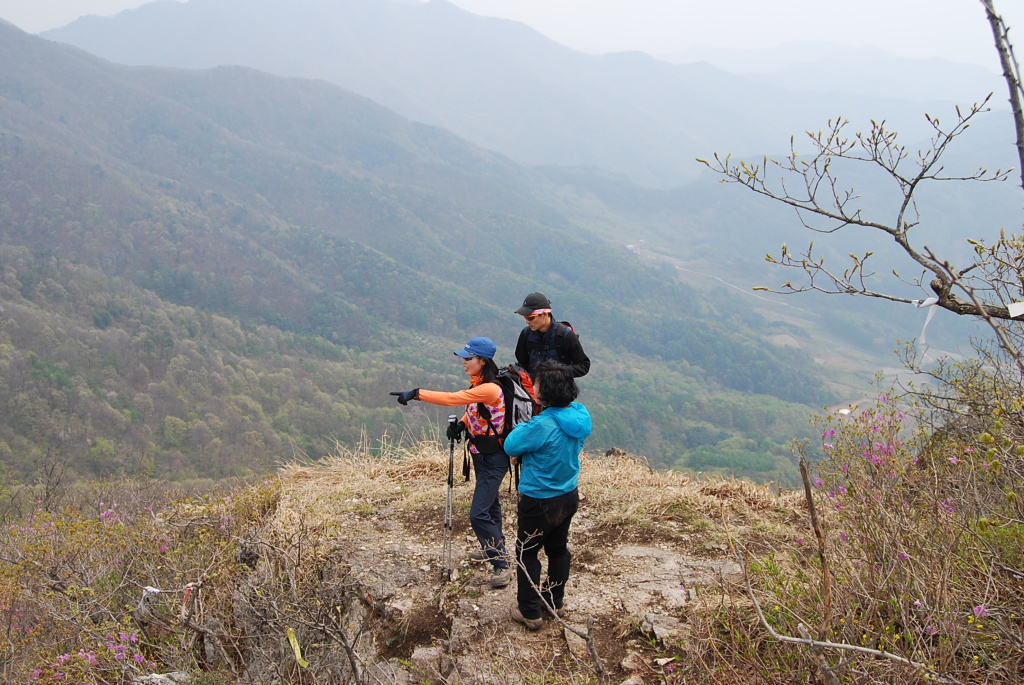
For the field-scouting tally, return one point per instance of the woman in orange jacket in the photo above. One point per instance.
(483, 421)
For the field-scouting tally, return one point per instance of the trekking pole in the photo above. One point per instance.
(446, 549)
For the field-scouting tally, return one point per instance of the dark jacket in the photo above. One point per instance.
(557, 342)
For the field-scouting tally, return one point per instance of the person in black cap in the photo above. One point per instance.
(489, 459)
(545, 338)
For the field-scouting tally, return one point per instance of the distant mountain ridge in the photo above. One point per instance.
(494, 82)
(824, 67)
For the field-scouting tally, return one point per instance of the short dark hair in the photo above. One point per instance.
(557, 386)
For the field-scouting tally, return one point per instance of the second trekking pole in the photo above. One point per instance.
(446, 549)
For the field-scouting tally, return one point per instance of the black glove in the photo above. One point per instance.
(404, 397)
(455, 431)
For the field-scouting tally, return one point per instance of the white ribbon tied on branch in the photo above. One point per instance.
(932, 303)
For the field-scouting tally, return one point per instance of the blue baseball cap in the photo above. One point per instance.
(478, 347)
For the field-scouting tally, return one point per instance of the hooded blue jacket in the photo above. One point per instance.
(549, 446)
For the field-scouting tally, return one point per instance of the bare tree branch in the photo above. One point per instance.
(1011, 74)
(824, 205)
(981, 310)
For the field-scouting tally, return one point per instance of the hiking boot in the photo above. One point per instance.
(478, 555)
(545, 593)
(501, 577)
(517, 616)
(559, 612)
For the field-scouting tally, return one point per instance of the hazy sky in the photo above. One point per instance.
(955, 29)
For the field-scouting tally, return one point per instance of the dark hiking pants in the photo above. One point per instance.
(543, 524)
(485, 512)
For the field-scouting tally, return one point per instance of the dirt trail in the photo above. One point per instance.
(637, 585)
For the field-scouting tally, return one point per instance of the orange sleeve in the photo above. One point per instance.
(487, 393)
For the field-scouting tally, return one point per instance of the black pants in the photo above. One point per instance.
(543, 523)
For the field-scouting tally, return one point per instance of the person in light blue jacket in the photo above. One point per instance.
(548, 446)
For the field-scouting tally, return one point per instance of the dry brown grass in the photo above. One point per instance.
(622, 488)
(618, 488)
(403, 477)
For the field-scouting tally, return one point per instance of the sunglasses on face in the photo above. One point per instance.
(531, 317)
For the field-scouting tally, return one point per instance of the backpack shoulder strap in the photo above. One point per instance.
(562, 329)
(485, 412)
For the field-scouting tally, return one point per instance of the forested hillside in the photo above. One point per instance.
(205, 272)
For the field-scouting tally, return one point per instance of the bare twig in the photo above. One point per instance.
(588, 636)
(826, 574)
(922, 668)
(827, 672)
